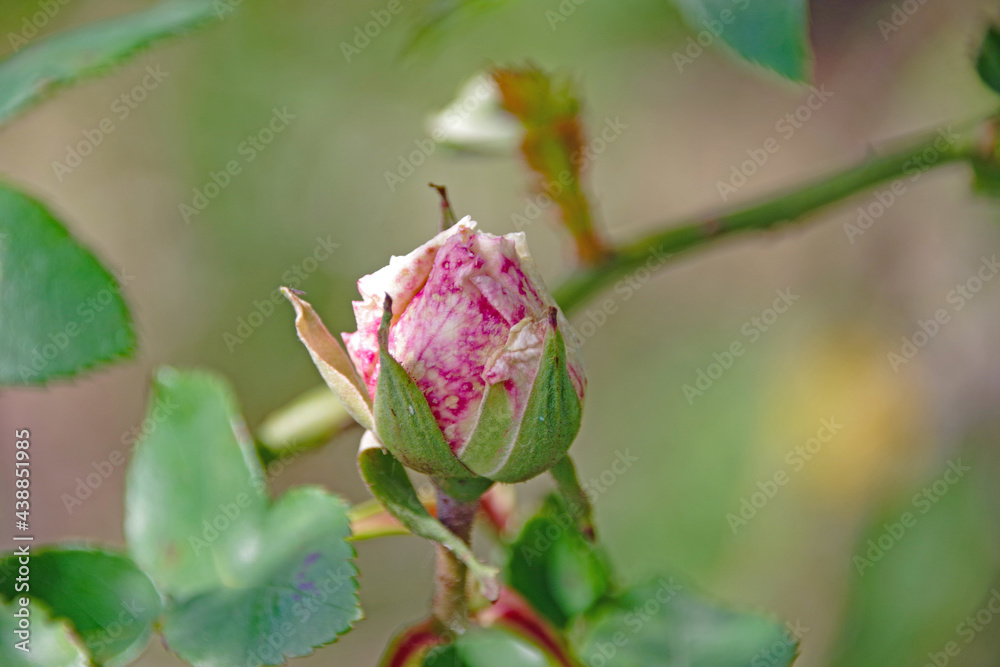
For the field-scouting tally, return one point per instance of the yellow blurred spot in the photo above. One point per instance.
(841, 423)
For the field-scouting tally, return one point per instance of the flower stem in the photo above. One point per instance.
(451, 602)
(926, 152)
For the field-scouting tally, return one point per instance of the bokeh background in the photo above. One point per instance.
(825, 358)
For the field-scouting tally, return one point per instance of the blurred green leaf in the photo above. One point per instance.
(61, 312)
(662, 624)
(195, 489)
(51, 643)
(436, 17)
(988, 59)
(109, 601)
(39, 68)
(250, 582)
(488, 648)
(986, 177)
(919, 569)
(297, 590)
(307, 421)
(443, 656)
(561, 574)
(772, 33)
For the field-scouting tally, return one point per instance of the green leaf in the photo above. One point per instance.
(110, 603)
(386, 478)
(443, 656)
(772, 33)
(941, 534)
(551, 564)
(298, 593)
(662, 624)
(61, 312)
(988, 59)
(37, 69)
(250, 582)
(490, 647)
(195, 488)
(51, 643)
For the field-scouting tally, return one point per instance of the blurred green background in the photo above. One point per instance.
(825, 358)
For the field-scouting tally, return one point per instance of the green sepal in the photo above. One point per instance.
(575, 497)
(487, 448)
(403, 419)
(386, 478)
(547, 429)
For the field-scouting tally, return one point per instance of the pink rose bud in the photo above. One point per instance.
(460, 347)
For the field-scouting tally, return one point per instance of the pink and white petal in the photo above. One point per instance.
(516, 363)
(503, 264)
(402, 279)
(446, 337)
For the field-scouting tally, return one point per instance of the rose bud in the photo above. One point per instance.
(461, 349)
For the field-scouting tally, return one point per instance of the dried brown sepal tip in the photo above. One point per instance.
(447, 213)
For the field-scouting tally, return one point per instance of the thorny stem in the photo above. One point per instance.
(451, 604)
(919, 155)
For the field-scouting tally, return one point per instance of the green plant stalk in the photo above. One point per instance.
(921, 154)
(451, 599)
